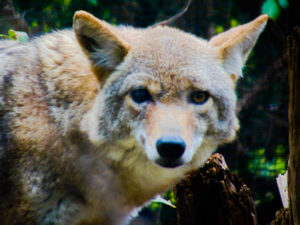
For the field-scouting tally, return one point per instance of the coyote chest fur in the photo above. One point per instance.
(97, 121)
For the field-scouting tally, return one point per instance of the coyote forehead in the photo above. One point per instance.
(164, 51)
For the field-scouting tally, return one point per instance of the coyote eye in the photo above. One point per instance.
(140, 95)
(198, 97)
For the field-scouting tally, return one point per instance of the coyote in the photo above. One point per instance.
(98, 120)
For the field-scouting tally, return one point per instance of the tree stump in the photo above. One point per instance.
(293, 53)
(214, 195)
(281, 217)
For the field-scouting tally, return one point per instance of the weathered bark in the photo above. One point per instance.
(281, 217)
(214, 195)
(293, 53)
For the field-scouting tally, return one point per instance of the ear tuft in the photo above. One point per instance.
(235, 44)
(101, 41)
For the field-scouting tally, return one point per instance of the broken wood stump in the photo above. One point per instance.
(282, 217)
(214, 195)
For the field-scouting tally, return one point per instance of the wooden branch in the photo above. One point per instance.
(176, 16)
(280, 122)
(293, 53)
(214, 195)
(16, 19)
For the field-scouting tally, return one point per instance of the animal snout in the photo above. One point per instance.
(170, 150)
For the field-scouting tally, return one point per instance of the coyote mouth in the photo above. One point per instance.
(169, 163)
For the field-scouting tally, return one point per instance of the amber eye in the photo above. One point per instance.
(140, 95)
(198, 97)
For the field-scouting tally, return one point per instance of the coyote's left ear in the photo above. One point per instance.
(100, 41)
(235, 44)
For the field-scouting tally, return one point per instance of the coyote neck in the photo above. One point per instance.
(144, 181)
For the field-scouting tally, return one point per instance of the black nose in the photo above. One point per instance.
(170, 148)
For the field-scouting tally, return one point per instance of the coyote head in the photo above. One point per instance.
(167, 94)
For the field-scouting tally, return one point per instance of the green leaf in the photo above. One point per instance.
(283, 3)
(4, 36)
(34, 24)
(271, 8)
(67, 2)
(169, 195)
(234, 23)
(93, 2)
(154, 206)
(219, 29)
(159, 199)
(12, 34)
(106, 14)
(280, 150)
(259, 152)
(16, 36)
(114, 21)
(46, 27)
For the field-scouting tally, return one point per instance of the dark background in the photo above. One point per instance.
(260, 153)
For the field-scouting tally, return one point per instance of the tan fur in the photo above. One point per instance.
(77, 149)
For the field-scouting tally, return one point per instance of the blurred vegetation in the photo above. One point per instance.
(273, 7)
(260, 165)
(261, 150)
(15, 36)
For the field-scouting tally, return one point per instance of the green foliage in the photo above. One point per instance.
(234, 22)
(219, 29)
(16, 36)
(93, 2)
(44, 16)
(272, 7)
(261, 166)
(168, 199)
(268, 197)
(169, 195)
(283, 3)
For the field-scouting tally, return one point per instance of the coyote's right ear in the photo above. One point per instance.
(100, 41)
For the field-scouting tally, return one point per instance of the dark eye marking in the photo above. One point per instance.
(198, 97)
(140, 95)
